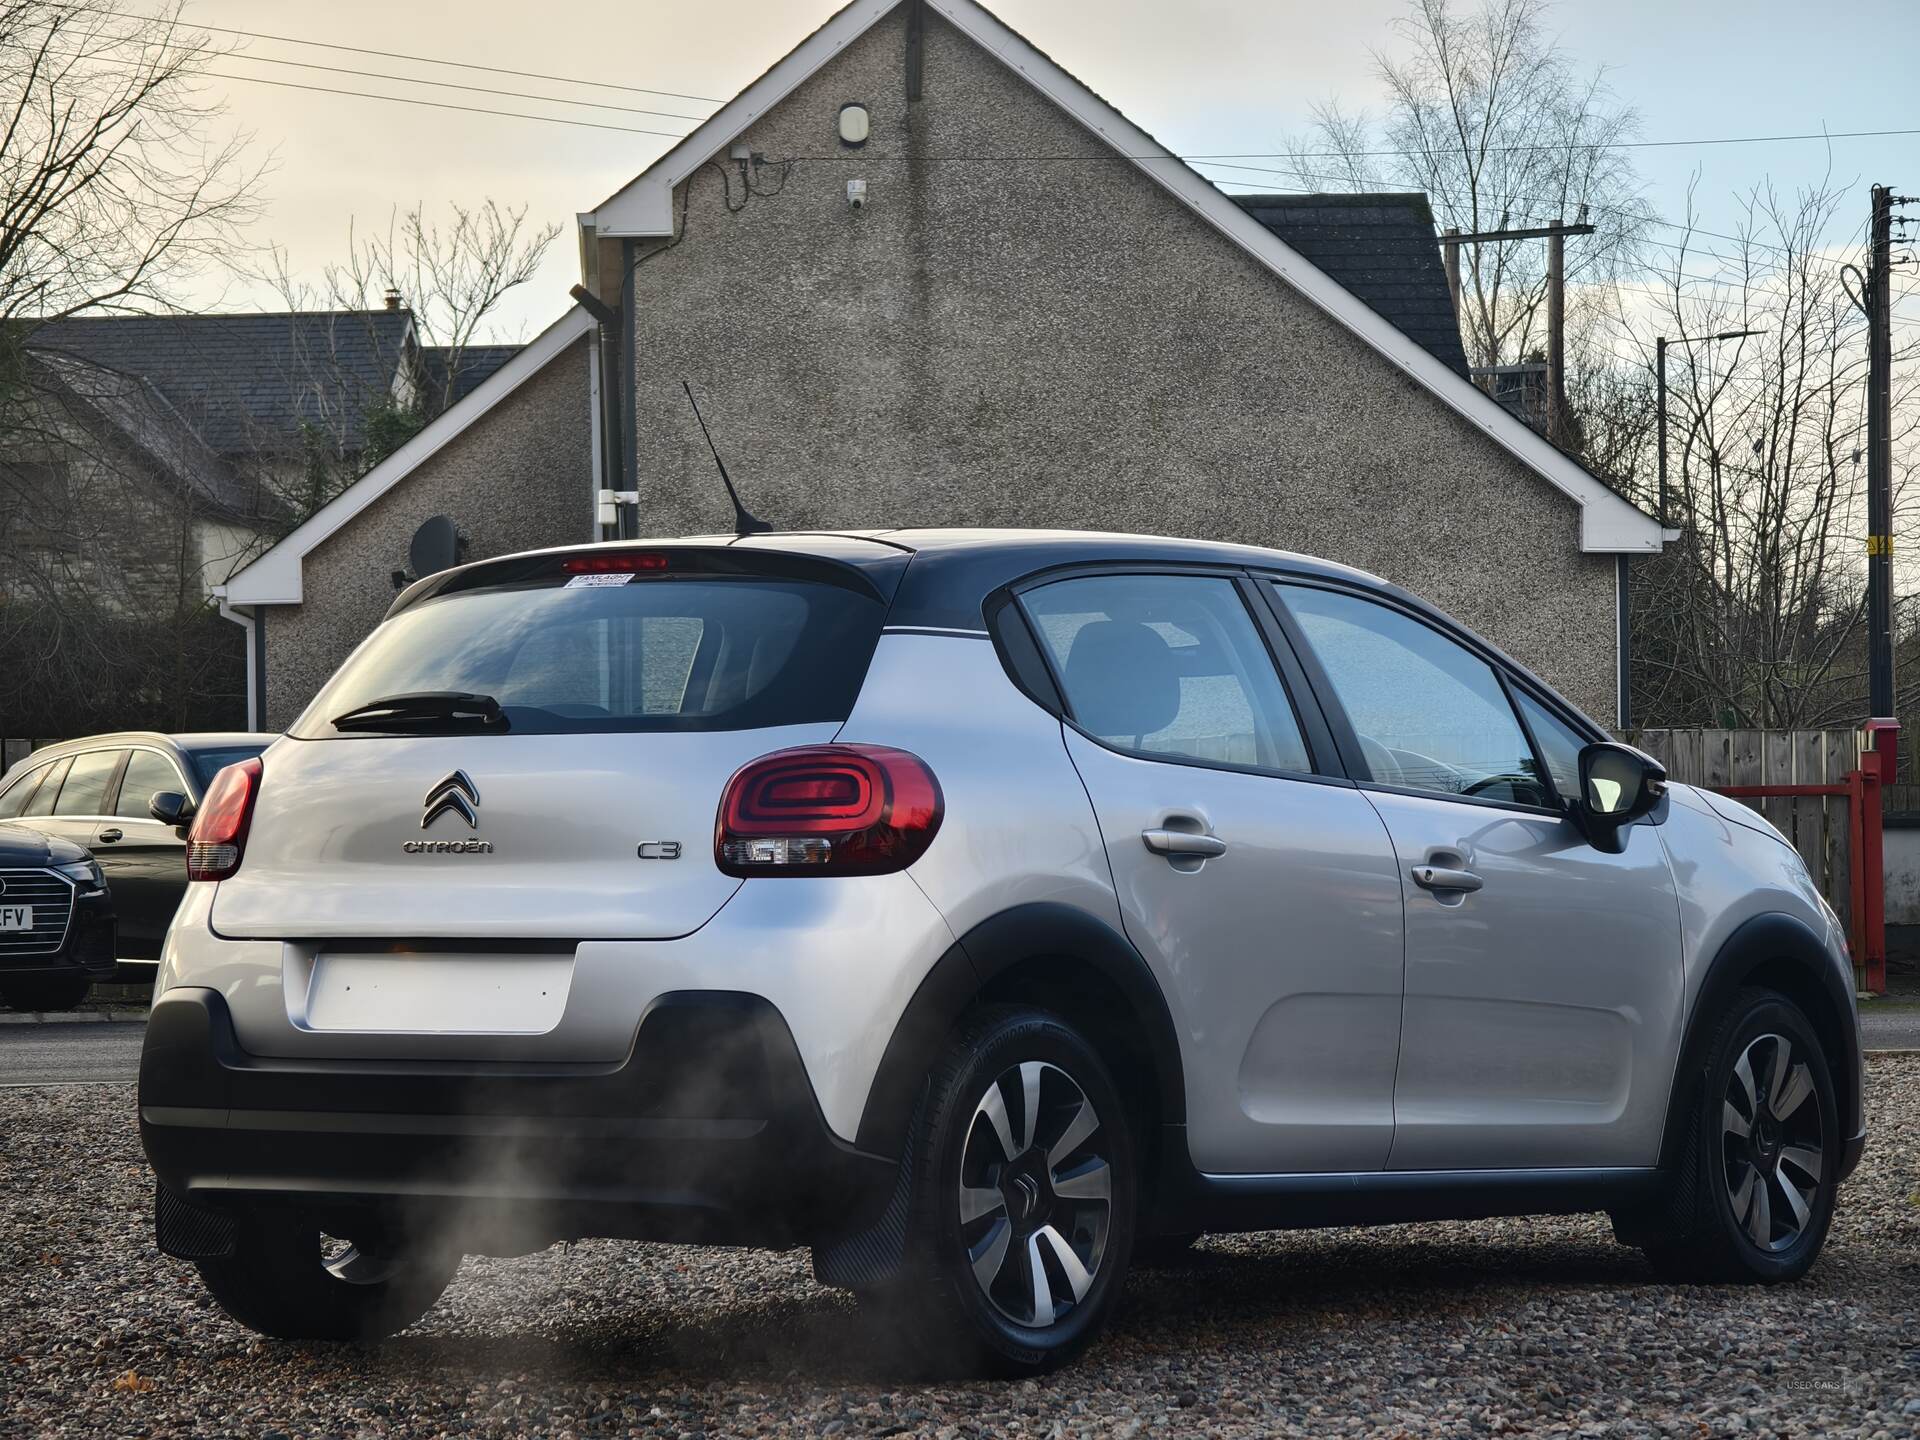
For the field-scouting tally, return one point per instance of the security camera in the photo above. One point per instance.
(857, 193)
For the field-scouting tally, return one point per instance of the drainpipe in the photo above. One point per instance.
(247, 618)
(603, 373)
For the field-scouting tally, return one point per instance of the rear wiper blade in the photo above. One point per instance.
(423, 710)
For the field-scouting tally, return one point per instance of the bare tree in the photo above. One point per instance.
(118, 186)
(452, 278)
(1499, 127)
(1756, 615)
(114, 186)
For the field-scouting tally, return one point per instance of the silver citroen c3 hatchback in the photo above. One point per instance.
(982, 909)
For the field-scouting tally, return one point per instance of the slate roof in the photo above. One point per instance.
(141, 416)
(245, 382)
(477, 362)
(1381, 247)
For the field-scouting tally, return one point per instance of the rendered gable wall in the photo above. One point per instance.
(1018, 329)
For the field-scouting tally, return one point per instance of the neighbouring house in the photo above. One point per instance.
(146, 458)
(1034, 315)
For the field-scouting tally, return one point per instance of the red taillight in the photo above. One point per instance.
(219, 834)
(828, 810)
(619, 562)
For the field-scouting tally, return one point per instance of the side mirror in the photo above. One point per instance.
(170, 807)
(1618, 785)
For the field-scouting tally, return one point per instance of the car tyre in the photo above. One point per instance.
(286, 1280)
(1753, 1194)
(1022, 1209)
(54, 992)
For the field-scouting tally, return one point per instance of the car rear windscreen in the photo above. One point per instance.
(596, 654)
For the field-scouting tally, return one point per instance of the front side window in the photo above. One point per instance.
(1429, 714)
(1168, 666)
(1559, 745)
(148, 773)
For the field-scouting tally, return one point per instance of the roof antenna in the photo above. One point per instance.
(745, 522)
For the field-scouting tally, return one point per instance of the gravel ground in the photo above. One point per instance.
(1540, 1327)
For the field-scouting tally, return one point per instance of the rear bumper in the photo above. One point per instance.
(707, 1131)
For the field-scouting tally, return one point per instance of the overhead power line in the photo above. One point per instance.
(1210, 155)
(446, 105)
(1523, 149)
(427, 59)
(455, 85)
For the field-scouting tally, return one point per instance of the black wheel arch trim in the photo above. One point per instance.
(1037, 931)
(1756, 942)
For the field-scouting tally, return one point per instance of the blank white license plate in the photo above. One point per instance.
(428, 993)
(16, 917)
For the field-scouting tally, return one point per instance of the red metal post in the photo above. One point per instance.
(1859, 920)
(1877, 763)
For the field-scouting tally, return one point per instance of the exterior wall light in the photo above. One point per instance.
(855, 125)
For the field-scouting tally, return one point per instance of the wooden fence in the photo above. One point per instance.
(1817, 825)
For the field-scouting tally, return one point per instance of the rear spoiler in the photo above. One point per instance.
(878, 578)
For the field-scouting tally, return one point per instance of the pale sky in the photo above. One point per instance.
(1200, 75)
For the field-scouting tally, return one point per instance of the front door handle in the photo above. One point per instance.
(1183, 842)
(110, 835)
(1445, 881)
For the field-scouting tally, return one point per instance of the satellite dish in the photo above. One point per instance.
(435, 547)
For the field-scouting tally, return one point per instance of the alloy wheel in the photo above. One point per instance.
(1772, 1143)
(1036, 1191)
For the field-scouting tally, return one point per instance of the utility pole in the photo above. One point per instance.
(1557, 338)
(1880, 458)
(1554, 235)
(1660, 420)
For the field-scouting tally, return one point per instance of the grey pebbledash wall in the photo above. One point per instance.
(1019, 329)
(517, 478)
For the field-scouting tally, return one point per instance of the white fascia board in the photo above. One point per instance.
(275, 578)
(644, 209)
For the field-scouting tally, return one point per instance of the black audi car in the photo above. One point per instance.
(98, 792)
(56, 921)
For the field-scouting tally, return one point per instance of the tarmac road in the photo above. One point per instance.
(67, 1052)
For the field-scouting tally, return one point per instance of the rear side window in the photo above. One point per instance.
(681, 653)
(42, 801)
(19, 793)
(1167, 666)
(85, 791)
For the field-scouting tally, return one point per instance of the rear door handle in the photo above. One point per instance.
(110, 835)
(1183, 842)
(1438, 878)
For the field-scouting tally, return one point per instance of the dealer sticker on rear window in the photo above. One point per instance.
(588, 582)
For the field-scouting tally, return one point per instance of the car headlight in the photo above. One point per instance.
(84, 872)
